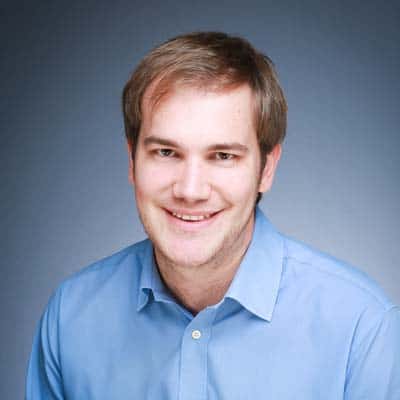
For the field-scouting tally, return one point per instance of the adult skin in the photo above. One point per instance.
(196, 174)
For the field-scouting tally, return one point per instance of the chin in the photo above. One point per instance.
(193, 261)
(187, 259)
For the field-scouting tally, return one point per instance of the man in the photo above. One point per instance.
(216, 304)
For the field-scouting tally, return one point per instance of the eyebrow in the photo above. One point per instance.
(149, 140)
(157, 140)
(229, 146)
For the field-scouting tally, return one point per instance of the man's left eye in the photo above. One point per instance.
(224, 156)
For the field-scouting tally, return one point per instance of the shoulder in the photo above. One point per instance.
(333, 280)
(102, 280)
(103, 269)
(338, 299)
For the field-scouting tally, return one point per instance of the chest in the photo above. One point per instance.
(206, 358)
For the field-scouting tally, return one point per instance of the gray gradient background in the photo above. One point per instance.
(65, 195)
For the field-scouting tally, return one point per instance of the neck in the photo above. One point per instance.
(198, 286)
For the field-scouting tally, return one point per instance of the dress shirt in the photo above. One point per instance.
(294, 324)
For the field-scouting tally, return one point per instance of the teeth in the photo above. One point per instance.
(191, 217)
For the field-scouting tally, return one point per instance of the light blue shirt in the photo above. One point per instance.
(294, 324)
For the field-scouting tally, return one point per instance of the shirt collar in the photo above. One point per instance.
(256, 283)
(150, 280)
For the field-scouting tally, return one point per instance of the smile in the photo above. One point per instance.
(185, 217)
(189, 220)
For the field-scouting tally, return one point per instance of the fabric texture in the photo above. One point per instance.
(294, 324)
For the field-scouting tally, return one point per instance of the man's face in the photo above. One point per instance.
(196, 175)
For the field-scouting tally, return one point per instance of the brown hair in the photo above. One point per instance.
(210, 61)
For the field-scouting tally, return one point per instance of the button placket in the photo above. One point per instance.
(194, 348)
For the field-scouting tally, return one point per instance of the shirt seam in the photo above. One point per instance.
(384, 306)
(98, 265)
(207, 355)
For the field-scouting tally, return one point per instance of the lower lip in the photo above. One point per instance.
(191, 226)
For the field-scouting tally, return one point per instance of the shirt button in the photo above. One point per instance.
(196, 334)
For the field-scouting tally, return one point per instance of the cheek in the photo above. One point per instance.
(151, 178)
(237, 183)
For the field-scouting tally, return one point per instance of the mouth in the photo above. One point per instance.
(186, 219)
(191, 218)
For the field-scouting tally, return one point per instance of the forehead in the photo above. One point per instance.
(198, 114)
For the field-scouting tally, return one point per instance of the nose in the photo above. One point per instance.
(191, 185)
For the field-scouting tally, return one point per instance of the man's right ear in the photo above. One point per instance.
(131, 176)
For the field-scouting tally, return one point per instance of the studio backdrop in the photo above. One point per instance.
(65, 196)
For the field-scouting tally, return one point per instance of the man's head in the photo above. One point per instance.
(204, 119)
(210, 61)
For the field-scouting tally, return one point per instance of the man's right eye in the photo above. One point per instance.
(165, 152)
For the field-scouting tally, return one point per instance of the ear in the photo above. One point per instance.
(267, 175)
(131, 175)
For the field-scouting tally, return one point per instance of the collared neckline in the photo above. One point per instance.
(256, 282)
(150, 280)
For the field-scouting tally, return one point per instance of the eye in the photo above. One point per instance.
(165, 152)
(224, 156)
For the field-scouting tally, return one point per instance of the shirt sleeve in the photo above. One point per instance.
(44, 380)
(374, 367)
